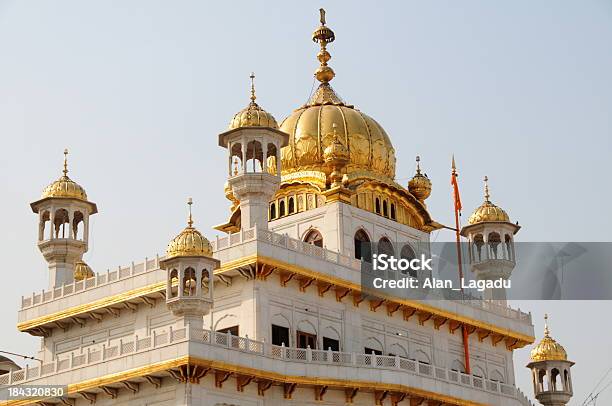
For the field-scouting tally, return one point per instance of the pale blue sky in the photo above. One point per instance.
(138, 90)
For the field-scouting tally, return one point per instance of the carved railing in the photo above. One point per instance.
(135, 344)
(284, 241)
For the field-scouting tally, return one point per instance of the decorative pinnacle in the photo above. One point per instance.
(323, 36)
(546, 330)
(190, 220)
(253, 87)
(418, 160)
(65, 162)
(486, 188)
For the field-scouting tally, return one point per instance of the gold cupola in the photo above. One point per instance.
(82, 271)
(65, 187)
(419, 185)
(190, 242)
(253, 115)
(310, 129)
(487, 211)
(548, 349)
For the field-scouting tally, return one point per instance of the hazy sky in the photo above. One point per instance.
(520, 91)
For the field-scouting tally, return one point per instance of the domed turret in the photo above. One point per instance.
(63, 231)
(419, 185)
(552, 378)
(190, 271)
(253, 115)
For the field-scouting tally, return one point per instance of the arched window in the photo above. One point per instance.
(254, 157)
(363, 248)
(554, 379)
(377, 204)
(291, 205)
(314, 237)
(385, 247)
(385, 211)
(457, 366)
(77, 231)
(189, 282)
(62, 221)
(408, 254)
(205, 281)
(494, 241)
(478, 243)
(272, 211)
(392, 211)
(281, 208)
(174, 283)
(497, 376)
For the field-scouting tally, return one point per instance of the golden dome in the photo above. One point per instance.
(420, 185)
(253, 115)
(311, 130)
(189, 243)
(488, 211)
(548, 349)
(64, 186)
(82, 271)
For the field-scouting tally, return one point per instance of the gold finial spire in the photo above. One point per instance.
(546, 330)
(418, 161)
(190, 220)
(65, 162)
(323, 36)
(253, 87)
(486, 188)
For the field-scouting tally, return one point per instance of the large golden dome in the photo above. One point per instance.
(548, 349)
(64, 186)
(189, 243)
(311, 128)
(487, 211)
(253, 115)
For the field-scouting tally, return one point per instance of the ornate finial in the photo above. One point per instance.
(418, 161)
(252, 87)
(486, 188)
(546, 330)
(323, 36)
(190, 220)
(453, 166)
(65, 162)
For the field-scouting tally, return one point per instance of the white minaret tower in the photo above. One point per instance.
(190, 267)
(253, 143)
(490, 237)
(552, 378)
(63, 226)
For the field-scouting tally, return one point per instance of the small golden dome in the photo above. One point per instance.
(64, 186)
(189, 243)
(82, 271)
(548, 349)
(488, 211)
(336, 151)
(253, 115)
(419, 185)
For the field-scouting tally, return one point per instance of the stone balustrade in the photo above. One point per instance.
(136, 344)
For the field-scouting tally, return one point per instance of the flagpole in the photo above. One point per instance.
(457, 206)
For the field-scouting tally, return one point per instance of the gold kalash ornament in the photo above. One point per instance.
(548, 349)
(190, 242)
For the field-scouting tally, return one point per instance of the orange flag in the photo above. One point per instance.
(456, 196)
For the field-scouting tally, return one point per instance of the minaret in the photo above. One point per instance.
(253, 142)
(552, 378)
(63, 227)
(490, 237)
(190, 267)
